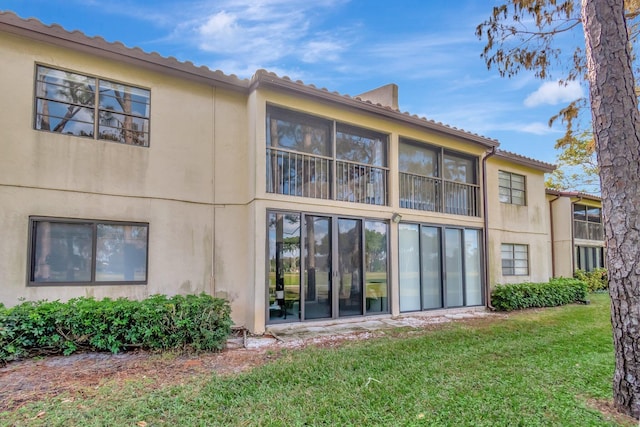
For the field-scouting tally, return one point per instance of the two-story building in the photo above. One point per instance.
(126, 174)
(577, 232)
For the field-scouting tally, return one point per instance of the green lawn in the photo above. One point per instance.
(534, 368)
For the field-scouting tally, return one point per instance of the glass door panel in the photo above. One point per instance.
(431, 268)
(349, 267)
(375, 254)
(284, 267)
(454, 279)
(318, 286)
(473, 267)
(409, 260)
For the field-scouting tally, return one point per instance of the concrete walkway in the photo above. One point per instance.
(298, 334)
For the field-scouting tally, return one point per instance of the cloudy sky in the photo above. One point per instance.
(428, 48)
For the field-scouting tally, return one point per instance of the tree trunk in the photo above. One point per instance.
(616, 125)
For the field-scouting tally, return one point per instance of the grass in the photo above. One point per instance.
(534, 368)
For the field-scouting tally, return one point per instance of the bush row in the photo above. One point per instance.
(192, 322)
(596, 280)
(549, 294)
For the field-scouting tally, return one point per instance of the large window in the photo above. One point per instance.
(515, 259)
(69, 251)
(324, 267)
(587, 222)
(512, 188)
(439, 267)
(588, 258)
(437, 180)
(80, 105)
(302, 160)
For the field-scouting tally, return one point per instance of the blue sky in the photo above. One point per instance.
(428, 48)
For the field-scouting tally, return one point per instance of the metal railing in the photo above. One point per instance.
(420, 192)
(360, 183)
(296, 174)
(588, 230)
(438, 195)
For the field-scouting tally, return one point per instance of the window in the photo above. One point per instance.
(325, 267)
(68, 102)
(588, 258)
(440, 267)
(587, 222)
(69, 251)
(302, 161)
(512, 188)
(437, 180)
(515, 260)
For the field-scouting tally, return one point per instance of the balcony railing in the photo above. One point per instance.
(588, 230)
(360, 183)
(420, 192)
(438, 195)
(296, 174)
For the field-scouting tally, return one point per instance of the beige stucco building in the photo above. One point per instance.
(126, 174)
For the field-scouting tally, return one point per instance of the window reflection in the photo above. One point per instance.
(65, 103)
(376, 244)
(86, 251)
(284, 266)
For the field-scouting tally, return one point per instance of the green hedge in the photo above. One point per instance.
(550, 294)
(191, 322)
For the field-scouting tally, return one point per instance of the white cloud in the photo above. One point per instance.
(553, 93)
(322, 50)
(536, 128)
(263, 32)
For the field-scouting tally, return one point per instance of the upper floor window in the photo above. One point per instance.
(304, 159)
(587, 222)
(512, 188)
(515, 259)
(437, 180)
(85, 252)
(69, 103)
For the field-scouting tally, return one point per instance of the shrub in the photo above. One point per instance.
(549, 294)
(596, 280)
(187, 323)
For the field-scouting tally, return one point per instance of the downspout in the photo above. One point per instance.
(573, 237)
(553, 239)
(485, 214)
(213, 195)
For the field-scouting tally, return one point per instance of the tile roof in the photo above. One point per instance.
(577, 194)
(526, 161)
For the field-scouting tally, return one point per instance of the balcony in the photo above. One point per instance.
(360, 183)
(297, 174)
(438, 195)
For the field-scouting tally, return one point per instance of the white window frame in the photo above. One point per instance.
(515, 259)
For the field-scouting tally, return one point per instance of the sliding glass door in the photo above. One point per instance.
(341, 270)
(317, 268)
(440, 267)
(349, 265)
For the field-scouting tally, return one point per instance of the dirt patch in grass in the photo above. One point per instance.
(610, 413)
(81, 374)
